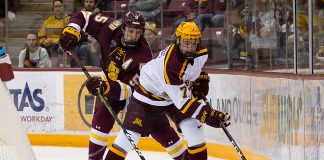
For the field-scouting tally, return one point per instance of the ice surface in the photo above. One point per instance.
(70, 153)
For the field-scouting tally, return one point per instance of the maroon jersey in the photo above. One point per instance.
(119, 64)
(121, 67)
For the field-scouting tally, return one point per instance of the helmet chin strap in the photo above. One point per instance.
(129, 44)
(189, 55)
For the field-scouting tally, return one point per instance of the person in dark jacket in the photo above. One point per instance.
(149, 9)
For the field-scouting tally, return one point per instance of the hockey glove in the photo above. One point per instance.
(200, 87)
(96, 85)
(213, 117)
(70, 38)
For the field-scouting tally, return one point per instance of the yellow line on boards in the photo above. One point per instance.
(147, 144)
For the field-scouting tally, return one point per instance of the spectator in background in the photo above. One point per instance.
(219, 13)
(149, 9)
(198, 11)
(51, 31)
(13, 6)
(77, 5)
(2, 14)
(6, 73)
(302, 28)
(152, 37)
(89, 49)
(33, 56)
(88, 5)
(104, 5)
(320, 5)
(241, 20)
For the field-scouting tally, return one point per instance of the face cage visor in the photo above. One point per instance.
(131, 36)
(188, 47)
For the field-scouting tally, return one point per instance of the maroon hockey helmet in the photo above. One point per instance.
(134, 20)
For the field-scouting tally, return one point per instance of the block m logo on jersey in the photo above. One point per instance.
(138, 122)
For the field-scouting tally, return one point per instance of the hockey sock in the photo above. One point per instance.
(96, 152)
(170, 140)
(197, 153)
(115, 154)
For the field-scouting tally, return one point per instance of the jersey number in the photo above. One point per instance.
(184, 89)
(134, 80)
(101, 19)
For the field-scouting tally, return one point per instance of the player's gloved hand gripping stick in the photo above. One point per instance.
(229, 136)
(105, 101)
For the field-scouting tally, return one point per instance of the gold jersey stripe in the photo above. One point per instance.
(108, 87)
(113, 51)
(184, 65)
(202, 51)
(142, 88)
(125, 91)
(184, 110)
(147, 93)
(165, 64)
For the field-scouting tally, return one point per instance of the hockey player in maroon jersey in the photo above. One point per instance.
(165, 85)
(123, 51)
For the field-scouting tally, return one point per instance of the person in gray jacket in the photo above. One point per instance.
(33, 56)
(149, 9)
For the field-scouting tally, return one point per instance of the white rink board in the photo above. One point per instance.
(273, 117)
(268, 115)
(38, 96)
(39, 99)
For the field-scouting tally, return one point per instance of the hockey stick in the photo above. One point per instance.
(108, 106)
(229, 136)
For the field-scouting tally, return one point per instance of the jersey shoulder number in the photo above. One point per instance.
(100, 18)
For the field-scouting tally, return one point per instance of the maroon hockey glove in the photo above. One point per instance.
(213, 117)
(217, 117)
(69, 38)
(200, 87)
(95, 84)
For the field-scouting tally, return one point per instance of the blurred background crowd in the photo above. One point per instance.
(256, 35)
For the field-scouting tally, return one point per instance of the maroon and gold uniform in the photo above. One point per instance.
(121, 66)
(165, 86)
